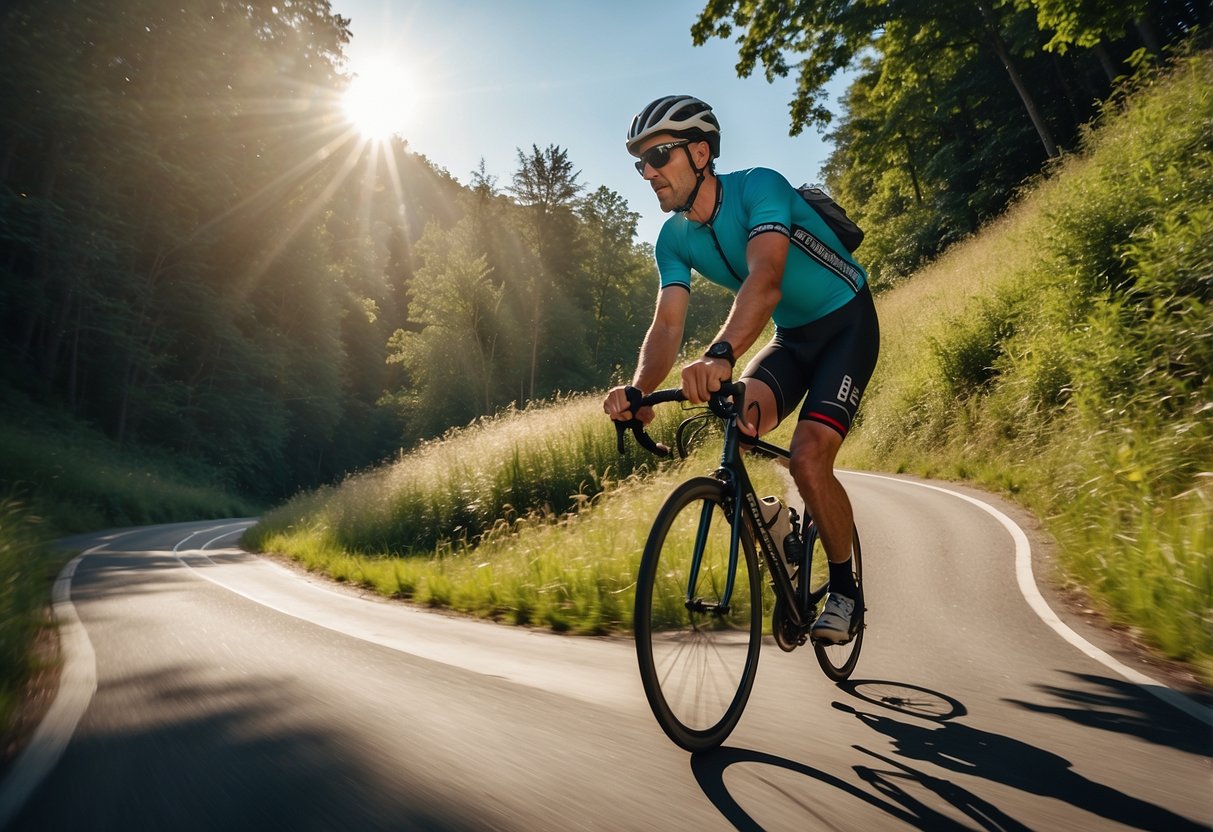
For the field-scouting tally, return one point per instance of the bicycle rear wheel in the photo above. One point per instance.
(838, 660)
(697, 658)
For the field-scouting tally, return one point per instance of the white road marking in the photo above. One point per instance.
(1031, 594)
(77, 684)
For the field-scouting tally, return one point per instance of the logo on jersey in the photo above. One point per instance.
(827, 257)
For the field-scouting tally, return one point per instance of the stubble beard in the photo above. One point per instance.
(667, 199)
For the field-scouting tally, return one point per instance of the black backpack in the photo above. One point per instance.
(848, 233)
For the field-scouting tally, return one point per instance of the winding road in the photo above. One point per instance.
(206, 688)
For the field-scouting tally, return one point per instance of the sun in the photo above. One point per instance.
(381, 100)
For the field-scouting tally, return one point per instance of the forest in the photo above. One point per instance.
(199, 255)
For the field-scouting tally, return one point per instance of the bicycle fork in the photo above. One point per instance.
(693, 603)
(781, 581)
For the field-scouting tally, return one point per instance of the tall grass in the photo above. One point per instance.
(570, 573)
(26, 570)
(547, 460)
(1064, 356)
(75, 479)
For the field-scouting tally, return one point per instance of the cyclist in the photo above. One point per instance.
(751, 232)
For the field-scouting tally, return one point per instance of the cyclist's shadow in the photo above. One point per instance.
(1003, 759)
(950, 745)
(709, 768)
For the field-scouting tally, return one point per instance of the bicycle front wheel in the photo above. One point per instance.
(697, 648)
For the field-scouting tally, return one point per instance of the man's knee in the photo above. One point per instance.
(814, 447)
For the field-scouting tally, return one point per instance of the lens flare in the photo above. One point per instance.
(381, 101)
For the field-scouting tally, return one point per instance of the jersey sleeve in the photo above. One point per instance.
(672, 264)
(767, 202)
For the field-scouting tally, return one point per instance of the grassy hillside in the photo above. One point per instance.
(1061, 356)
(532, 518)
(75, 479)
(1064, 356)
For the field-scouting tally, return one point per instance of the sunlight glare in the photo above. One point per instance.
(380, 101)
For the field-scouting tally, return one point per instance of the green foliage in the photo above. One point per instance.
(953, 104)
(26, 571)
(76, 480)
(1076, 365)
(1087, 23)
(197, 253)
(573, 572)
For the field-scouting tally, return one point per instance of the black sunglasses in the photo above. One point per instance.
(658, 156)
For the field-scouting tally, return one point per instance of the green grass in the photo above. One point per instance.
(27, 568)
(547, 460)
(1063, 356)
(571, 573)
(75, 479)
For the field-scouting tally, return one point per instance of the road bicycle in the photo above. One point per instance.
(699, 595)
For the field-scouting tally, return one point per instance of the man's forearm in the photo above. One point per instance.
(750, 313)
(657, 356)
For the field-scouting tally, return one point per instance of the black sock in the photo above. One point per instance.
(841, 579)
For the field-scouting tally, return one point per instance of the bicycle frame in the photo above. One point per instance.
(732, 472)
(697, 680)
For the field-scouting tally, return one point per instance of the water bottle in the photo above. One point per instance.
(793, 543)
(775, 516)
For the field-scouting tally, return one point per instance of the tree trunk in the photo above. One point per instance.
(1105, 61)
(1004, 55)
(912, 171)
(1149, 36)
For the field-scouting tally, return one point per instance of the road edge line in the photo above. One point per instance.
(1031, 593)
(77, 684)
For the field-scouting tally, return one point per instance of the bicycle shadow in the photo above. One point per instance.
(905, 698)
(887, 795)
(709, 768)
(947, 744)
(1116, 705)
(998, 758)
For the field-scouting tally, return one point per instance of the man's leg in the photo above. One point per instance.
(814, 447)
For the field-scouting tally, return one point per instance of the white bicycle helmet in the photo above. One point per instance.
(684, 116)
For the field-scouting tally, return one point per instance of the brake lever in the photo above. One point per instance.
(635, 397)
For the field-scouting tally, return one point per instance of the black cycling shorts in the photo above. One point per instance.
(831, 359)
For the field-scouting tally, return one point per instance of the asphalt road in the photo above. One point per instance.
(209, 689)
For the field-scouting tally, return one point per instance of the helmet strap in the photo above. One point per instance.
(698, 181)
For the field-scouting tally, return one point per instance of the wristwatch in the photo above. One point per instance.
(721, 349)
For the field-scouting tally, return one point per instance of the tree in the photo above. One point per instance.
(831, 34)
(619, 278)
(545, 185)
(454, 358)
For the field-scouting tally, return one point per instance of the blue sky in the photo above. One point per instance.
(491, 77)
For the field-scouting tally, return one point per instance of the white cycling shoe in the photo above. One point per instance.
(834, 623)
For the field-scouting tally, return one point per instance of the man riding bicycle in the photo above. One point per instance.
(751, 232)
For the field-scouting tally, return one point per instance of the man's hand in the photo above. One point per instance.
(703, 376)
(616, 406)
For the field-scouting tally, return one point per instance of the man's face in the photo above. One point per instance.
(674, 181)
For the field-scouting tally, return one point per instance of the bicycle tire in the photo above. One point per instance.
(697, 667)
(838, 660)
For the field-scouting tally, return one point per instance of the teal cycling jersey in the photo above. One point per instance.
(820, 275)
